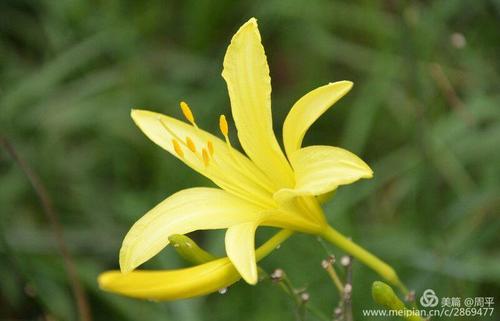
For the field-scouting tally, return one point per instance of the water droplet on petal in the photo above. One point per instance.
(278, 247)
(223, 291)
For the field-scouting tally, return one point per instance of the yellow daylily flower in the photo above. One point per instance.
(263, 187)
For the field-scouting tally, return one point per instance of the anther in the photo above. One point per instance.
(187, 112)
(177, 148)
(223, 125)
(205, 156)
(210, 147)
(190, 145)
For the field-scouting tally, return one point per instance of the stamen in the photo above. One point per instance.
(210, 148)
(224, 128)
(187, 113)
(177, 148)
(205, 156)
(190, 145)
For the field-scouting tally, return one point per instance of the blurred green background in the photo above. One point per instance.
(424, 113)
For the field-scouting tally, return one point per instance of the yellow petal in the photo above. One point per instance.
(227, 167)
(240, 248)
(186, 211)
(171, 284)
(307, 110)
(247, 76)
(320, 169)
(291, 219)
(323, 198)
(299, 208)
(182, 283)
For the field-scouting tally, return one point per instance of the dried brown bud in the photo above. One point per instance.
(304, 297)
(345, 261)
(410, 297)
(277, 275)
(458, 40)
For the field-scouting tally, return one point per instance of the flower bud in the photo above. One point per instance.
(189, 250)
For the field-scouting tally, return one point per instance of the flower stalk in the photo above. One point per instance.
(328, 266)
(383, 269)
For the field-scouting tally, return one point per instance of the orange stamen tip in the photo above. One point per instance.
(224, 128)
(205, 156)
(190, 145)
(210, 148)
(187, 112)
(177, 148)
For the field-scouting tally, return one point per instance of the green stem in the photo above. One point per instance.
(376, 264)
(266, 248)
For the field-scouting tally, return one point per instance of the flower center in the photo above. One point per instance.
(188, 149)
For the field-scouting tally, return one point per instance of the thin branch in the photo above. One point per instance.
(299, 296)
(346, 261)
(330, 269)
(50, 214)
(444, 84)
(343, 311)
